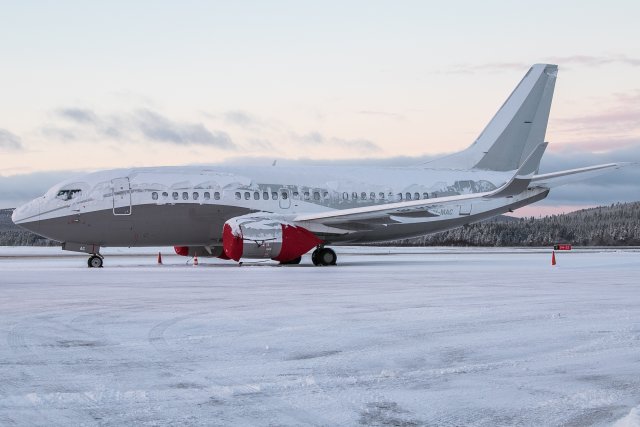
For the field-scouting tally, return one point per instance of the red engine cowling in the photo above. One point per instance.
(266, 238)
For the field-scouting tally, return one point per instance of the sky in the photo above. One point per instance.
(96, 85)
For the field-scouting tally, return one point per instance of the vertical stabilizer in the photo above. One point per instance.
(515, 131)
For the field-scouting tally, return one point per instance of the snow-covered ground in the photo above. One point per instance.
(389, 337)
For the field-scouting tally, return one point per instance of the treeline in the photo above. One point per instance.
(615, 225)
(12, 235)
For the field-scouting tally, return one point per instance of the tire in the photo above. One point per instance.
(94, 261)
(326, 256)
(314, 257)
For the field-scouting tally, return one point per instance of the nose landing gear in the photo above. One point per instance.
(324, 256)
(95, 261)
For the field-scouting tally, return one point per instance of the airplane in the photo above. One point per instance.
(281, 213)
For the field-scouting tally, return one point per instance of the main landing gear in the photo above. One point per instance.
(324, 256)
(95, 261)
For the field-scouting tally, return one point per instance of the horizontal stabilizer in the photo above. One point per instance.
(555, 179)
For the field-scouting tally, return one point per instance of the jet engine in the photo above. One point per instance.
(259, 237)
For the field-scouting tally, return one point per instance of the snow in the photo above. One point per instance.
(391, 336)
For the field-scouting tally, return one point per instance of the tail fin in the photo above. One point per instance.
(515, 131)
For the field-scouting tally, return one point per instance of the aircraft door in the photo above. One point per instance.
(285, 198)
(121, 190)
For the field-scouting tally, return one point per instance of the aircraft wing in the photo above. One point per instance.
(518, 183)
(554, 179)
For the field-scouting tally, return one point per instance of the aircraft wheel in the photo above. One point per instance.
(292, 261)
(326, 256)
(94, 261)
(314, 257)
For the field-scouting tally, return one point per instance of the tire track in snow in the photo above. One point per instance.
(26, 340)
(225, 386)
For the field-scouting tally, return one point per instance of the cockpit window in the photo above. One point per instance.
(67, 194)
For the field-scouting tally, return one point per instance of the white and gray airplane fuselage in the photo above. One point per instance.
(188, 206)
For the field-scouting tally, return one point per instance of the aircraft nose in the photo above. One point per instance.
(28, 215)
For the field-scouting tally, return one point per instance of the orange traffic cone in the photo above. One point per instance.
(553, 258)
(195, 260)
(159, 258)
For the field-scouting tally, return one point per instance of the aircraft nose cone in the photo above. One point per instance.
(28, 215)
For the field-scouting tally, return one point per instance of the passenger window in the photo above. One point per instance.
(185, 195)
(354, 195)
(416, 196)
(316, 195)
(400, 196)
(425, 195)
(274, 195)
(154, 195)
(256, 195)
(295, 194)
(207, 195)
(381, 195)
(174, 195)
(408, 196)
(345, 195)
(216, 195)
(363, 195)
(247, 195)
(265, 195)
(372, 195)
(238, 196)
(306, 195)
(196, 195)
(325, 194)
(285, 196)
(165, 194)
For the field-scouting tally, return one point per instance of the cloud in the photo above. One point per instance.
(316, 138)
(79, 115)
(565, 61)
(159, 128)
(621, 116)
(261, 144)
(61, 134)
(128, 127)
(18, 189)
(9, 141)
(616, 186)
(242, 119)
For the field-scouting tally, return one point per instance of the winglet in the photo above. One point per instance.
(524, 174)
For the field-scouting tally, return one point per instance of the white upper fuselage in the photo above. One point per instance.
(309, 189)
